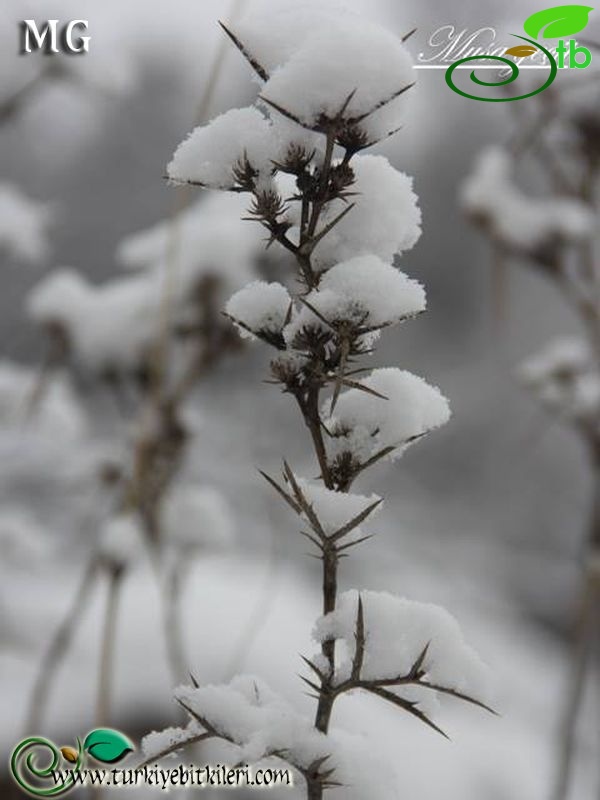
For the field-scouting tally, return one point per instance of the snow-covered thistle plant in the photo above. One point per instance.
(556, 234)
(333, 86)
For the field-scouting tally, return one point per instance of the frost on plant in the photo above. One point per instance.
(296, 159)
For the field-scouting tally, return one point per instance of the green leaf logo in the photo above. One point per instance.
(107, 745)
(557, 22)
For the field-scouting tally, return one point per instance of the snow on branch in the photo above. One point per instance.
(256, 724)
(401, 651)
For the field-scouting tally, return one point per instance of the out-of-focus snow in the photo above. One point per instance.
(23, 226)
(564, 377)
(197, 519)
(516, 219)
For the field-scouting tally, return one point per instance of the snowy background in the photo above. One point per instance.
(485, 518)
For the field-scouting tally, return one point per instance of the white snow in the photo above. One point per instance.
(363, 292)
(505, 758)
(385, 222)
(210, 153)
(109, 326)
(259, 722)
(24, 225)
(197, 518)
(334, 510)
(208, 239)
(289, 134)
(316, 81)
(565, 379)
(376, 289)
(331, 309)
(273, 37)
(396, 632)
(262, 307)
(159, 741)
(121, 540)
(366, 424)
(567, 355)
(516, 219)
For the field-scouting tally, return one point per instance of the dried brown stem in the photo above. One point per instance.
(107, 646)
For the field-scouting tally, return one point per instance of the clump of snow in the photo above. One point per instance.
(261, 308)
(380, 293)
(290, 135)
(363, 292)
(273, 37)
(334, 510)
(396, 633)
(565, 379)
(23, 225)
(208, 239)
(260, 723)
(210, 153)
(207, 245)
(365, 424)
(385, 222)
(323, 311)
(108, 326)
(114, 325)
(158, 741)
(197, 519)
(120, 541)
(63, 289)
(565, 356)
(520, 221)
(329, 307)
(317, 80)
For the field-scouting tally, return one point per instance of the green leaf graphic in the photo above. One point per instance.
(557, 22)
(107, 745)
